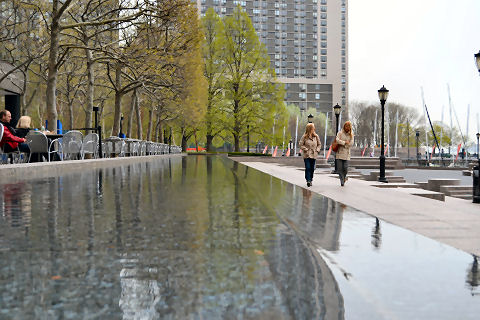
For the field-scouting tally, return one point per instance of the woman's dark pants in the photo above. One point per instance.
(309, 168)
(342, 169)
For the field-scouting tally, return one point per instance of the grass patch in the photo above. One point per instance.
(248, 154)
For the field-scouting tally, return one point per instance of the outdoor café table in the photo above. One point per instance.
(115, 143)
(52, 136)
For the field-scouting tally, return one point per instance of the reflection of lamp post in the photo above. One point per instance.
(473, 276)
(310, 118)
(376, 235)
(336, 109)
(383, 95)
(248, 138)
(417, 134)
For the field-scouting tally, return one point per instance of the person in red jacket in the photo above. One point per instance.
(10, 142)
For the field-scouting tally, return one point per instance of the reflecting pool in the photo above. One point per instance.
(202, 237)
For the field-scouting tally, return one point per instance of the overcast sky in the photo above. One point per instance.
(409, 44)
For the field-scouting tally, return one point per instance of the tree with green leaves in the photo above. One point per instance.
(251, 92)
(214, 72)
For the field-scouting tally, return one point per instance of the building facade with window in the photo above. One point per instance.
(307, 41)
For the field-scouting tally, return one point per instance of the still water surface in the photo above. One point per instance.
(208, 238)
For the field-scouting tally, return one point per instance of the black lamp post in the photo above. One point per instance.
(290, 144)
(310, 118)
(417, 134)
(248, 138)
(383, 95)
(121, 135)
(476, 169)
(336, 109)
(478, 139)
(99, 132)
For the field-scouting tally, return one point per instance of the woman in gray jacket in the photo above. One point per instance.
(310, 146)
(345, 141)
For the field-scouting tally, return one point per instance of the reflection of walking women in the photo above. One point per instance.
(310, 146)
(345, 141)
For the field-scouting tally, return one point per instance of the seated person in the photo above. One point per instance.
(10, 142)
(23, 126)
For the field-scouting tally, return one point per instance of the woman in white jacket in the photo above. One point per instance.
(345, 141)
(310, 145)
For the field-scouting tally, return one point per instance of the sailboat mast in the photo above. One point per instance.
(451, 118)
(425, 123)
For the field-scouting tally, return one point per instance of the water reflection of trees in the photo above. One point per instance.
(307, 285)
(163, 239)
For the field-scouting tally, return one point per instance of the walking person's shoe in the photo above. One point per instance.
(309, 183)
(342, 182)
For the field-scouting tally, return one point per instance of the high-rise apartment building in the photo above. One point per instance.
(307, 44)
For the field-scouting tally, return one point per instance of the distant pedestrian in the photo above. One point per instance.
(310, 146)
(345, 141)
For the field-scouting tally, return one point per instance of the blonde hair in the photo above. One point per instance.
(24, 122)
(348, 123)
(309, 130)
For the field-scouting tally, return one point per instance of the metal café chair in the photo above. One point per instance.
(129, 147)
(38, 143)
(142, 148)
(72, 143)
(149, 148)
(106, 149)
(90, 145)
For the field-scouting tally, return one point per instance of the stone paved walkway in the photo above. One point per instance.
(454, 222)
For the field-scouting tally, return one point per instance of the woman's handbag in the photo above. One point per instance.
(335, 145)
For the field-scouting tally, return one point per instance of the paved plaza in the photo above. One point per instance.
(454, 222)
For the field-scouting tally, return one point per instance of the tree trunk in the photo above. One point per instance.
(184, 142)
(130, 115)
(236, 138)
(209, 128)
(209, 143)
(196, 140)
(90, 87)
(150, 125)
(23, 97)
(139, 117)
(52, 72)
(70, 115)
(236, 124)
(157, 128)
(118, 100)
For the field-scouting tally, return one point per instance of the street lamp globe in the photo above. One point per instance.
(477, 60)
(337, 109)
(310, 118)
(383, 94)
